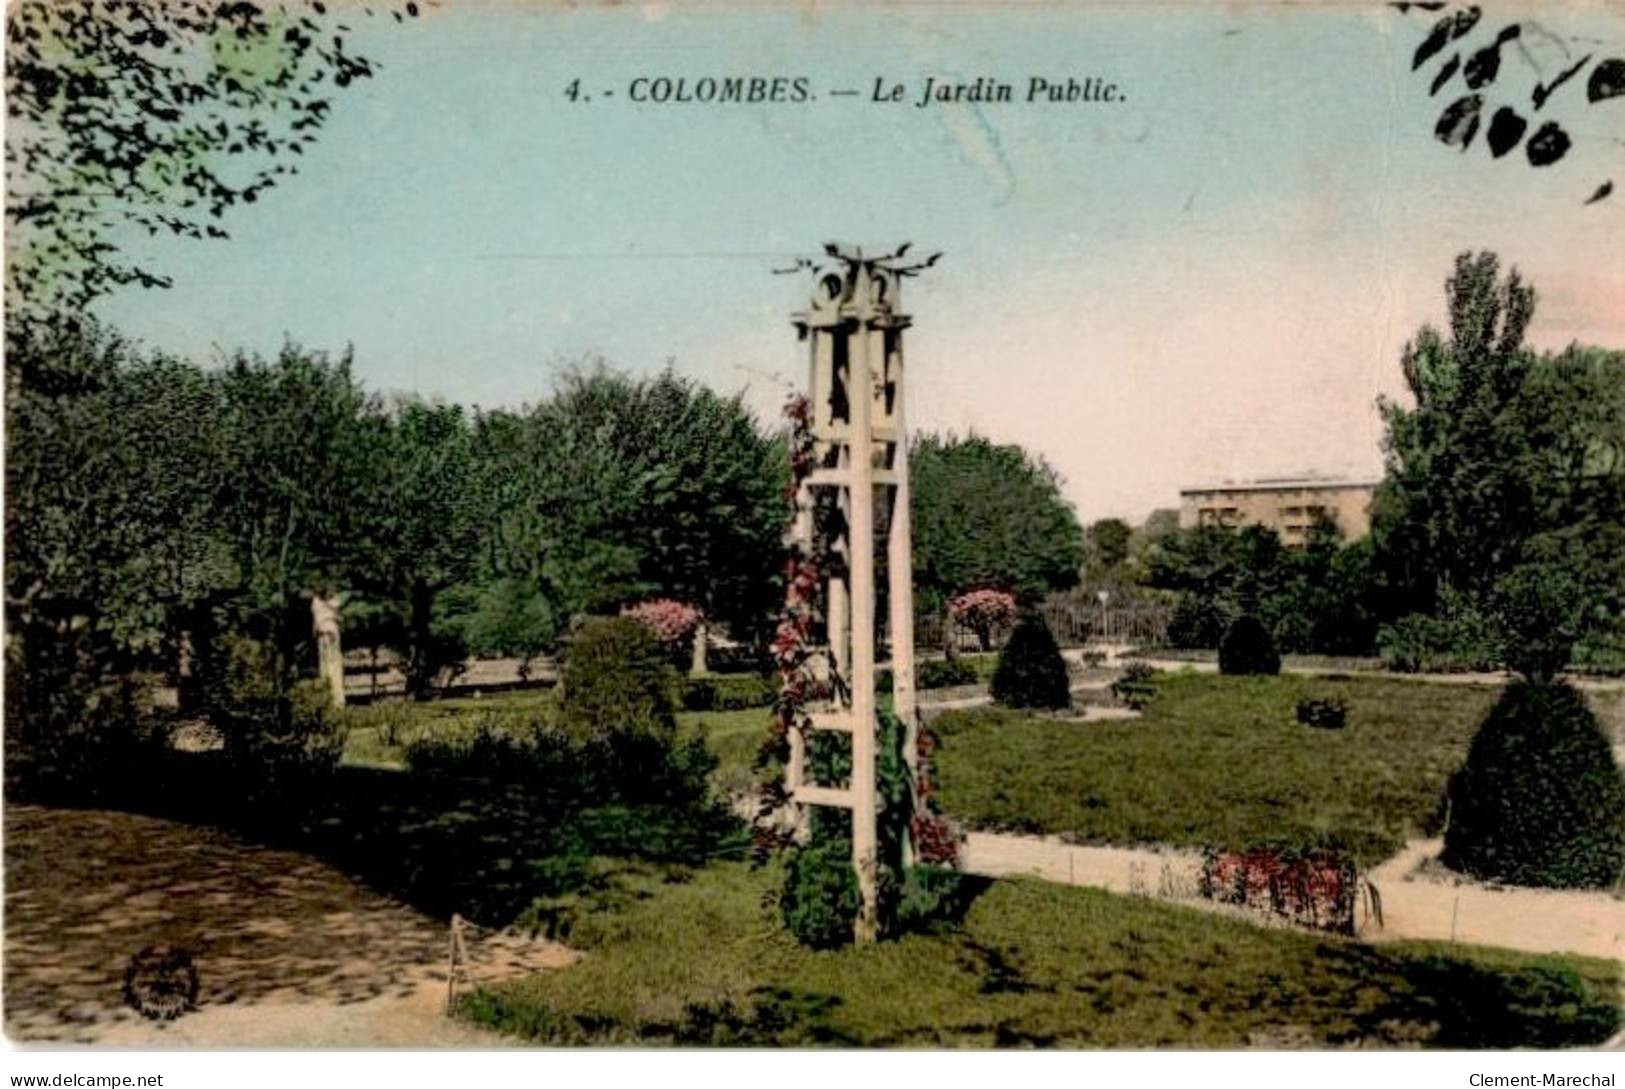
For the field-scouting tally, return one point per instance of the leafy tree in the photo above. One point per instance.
(110, 462)
(511, 618)
(1108, 548)
(422, 521)
(710, 500)
(292, 491)
(151, 117)
(1449, 498)
(989, 515)
(1218, 574)
(67, 539)
(1508, 460)
(1315, 599)
(616, 489)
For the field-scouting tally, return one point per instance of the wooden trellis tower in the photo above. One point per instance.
(854, 327)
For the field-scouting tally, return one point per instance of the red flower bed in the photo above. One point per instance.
(1311, 888)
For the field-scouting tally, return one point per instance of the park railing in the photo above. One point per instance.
(1076, 619)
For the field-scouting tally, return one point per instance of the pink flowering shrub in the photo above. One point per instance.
(672, 623)
(984, 612)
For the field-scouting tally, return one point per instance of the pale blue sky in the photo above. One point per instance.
(1209, 280)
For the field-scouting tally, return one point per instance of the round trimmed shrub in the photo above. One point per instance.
(1539, 800)
(1031, 671)
(616, 682)
(1247, 649)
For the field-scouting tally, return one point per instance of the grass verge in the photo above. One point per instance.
(698, 958)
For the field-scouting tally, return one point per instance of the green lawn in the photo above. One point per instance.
(1214, 761)
(734, 738)
(1219, 761)
(698, 957)
(378, 734)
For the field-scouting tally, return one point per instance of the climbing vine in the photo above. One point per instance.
(904, 805)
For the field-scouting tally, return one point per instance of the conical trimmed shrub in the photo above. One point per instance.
(1247, 649)
(1031, 671)
(1540, 800)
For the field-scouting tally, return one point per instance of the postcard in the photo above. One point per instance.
(1075, 526)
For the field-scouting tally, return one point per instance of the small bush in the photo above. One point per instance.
(1460, 639)
(1247, 649)
(1135, 688)
(728, 693)
(279, 733)
(672, 623)
(550, 761)
(303, 737)
(1328, 714)
(1031, 671)
(484, 752)
(1198, 621)
(86, 741)
(936, 673)
(934, 898)
(616, 682)
(1539, 800)
(947, 673)
(819, 899)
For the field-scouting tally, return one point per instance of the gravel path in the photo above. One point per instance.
(1419, 898)
(290, 952)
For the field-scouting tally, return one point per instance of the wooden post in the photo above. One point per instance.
(900, 576)
(861, 540)
(451, 964)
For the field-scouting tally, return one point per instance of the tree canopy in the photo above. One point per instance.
(987, 514)
(1505, 477)
(156, 118)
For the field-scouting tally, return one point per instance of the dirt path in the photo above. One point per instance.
(290, 951)
(1091, 698)
(1585, 684)
(1419, 899)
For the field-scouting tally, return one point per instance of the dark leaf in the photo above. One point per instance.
(1506, 129)
(1607, 80)
(1458, 124)
(1436, 40)
(1484, 65)
(1445, 73)
(1549, 144)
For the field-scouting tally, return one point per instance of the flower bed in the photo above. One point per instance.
(1313, 888)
